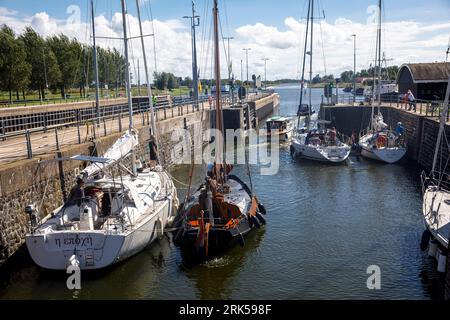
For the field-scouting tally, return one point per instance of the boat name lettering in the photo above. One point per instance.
(77, 241)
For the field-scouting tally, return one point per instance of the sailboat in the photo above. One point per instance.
(113, 213)
(315, 144)
(224, 209)
(436, 200)
(380, 143)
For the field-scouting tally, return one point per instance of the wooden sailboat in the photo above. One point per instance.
(315, 144)
(223, 209)
(109, 217)
(380, 143)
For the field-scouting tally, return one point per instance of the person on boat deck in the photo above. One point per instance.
(411, 100)
(399, 129)
(332, 136)
(77, 192)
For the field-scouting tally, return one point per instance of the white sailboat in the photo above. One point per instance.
(319, 145)
(436, 200)
(110, 216)
(380, 143)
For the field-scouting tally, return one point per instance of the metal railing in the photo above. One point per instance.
(428, 108)
(27, 135)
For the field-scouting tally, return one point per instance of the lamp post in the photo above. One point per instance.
(265, 71)
(354, 67)
(246, 55)
(230, 64)
(195, 22)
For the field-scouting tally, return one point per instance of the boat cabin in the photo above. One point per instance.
(278, 124)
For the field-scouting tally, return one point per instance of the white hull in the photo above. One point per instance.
(330, 154)
(51, 248)
(388, 155)
(436, 213)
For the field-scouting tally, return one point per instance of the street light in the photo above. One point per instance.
(246, 53)
(195, 22)
(354, 67)
(229, 56)
(265, 71)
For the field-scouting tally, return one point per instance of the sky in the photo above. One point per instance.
(413, 31)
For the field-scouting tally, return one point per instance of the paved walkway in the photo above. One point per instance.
(15, 148)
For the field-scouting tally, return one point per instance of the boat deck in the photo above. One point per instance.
(438, 219)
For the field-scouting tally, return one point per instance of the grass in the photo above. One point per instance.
(55, 98)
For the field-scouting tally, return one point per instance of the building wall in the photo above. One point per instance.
(405, 82)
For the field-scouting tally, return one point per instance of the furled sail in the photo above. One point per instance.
(120, 149)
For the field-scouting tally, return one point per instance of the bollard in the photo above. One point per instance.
(56, 138)
(29, 147)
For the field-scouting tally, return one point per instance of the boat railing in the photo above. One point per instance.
(440, 180)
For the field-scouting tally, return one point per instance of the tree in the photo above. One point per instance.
(172, 82)
(68, 53)
(44, 67)
(317, 79)
(160, 80)
(187, 82)
(347, 76)
(15, 71)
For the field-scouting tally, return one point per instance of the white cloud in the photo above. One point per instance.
(403, 41)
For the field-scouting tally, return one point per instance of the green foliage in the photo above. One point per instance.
(165, 80)
(15, 71)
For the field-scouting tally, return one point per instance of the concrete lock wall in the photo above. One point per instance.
(45, 182)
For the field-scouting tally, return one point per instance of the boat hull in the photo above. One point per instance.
(98, 248)
(388, 155)
(331, 154)
(219, 240)
(436, 214)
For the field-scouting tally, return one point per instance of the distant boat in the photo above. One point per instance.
(379, 142)
(348, 89)
(319, 144)
(283, 127)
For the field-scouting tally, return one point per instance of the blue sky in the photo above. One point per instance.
(251, 11)
(414, 31)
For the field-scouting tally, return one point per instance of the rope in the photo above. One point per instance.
(176, 180)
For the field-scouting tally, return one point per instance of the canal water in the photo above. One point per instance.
(325, 226)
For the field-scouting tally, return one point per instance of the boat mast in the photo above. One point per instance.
(128, 80)
(219, 142)
(302, 84)
(379, 56)
(97, 98)
(310, 65)
(147, 79)
(441, 126)
(195, 22)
